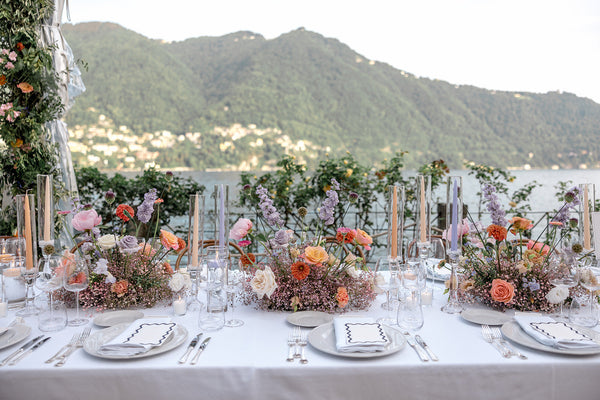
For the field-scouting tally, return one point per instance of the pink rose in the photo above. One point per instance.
(86, 220)
(240, 229)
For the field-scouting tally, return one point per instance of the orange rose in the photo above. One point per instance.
(124, 212)
(342, 297)
(345, 235)
(2, 80)
(169, 240)
(119, 288)
(502, 291)
(315, 255)
(25, 87)
(497, 232)
(520, 224)
(300, 270)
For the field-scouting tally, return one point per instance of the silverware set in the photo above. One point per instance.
(493, 336)
(297, 342)
(72, 347)
(420, 347)
(27, 348)
(191, 348)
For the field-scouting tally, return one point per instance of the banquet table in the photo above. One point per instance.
(250, 362)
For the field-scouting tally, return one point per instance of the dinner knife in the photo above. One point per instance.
(426, 347)
(193, 344)
(31, 350)
(200, 350)
(422, 355)
(20, 350)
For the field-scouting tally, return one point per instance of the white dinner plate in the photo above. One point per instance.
(112, 318)
(323, 338)
(14, 335)
(93, 343)
(513, 331)
(309, 319)
(485, 316)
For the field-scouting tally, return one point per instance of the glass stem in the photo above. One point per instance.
(77, 305)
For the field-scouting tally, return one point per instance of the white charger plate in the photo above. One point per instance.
(113, 318)
(14, 335)
(484, 316)
(513, 331)
(323, 338)
(93, 343)
(309, 319)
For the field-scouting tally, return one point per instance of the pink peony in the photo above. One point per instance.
(240, 229)
(86, 220)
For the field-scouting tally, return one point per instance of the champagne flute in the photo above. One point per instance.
(76, 280)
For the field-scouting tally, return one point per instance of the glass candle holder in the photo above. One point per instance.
(221, 196)
(45, 223)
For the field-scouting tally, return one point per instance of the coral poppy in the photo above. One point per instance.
(345, 235)
(125, 212)
(497, 232)
(300, 270)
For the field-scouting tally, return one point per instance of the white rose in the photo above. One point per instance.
(177, 282)
(557, 294)
(263, 282)
(107, 242)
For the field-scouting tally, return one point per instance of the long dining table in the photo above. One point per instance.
(249, 362)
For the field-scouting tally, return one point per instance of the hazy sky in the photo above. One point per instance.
(516, 45)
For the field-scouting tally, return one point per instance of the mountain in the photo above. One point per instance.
(307, 94)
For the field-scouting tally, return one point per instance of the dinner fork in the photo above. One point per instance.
(291, 347)
(297, 335)
(302, 343)
(72, 342)
(488, 337)
(496, 334)
(78, 344)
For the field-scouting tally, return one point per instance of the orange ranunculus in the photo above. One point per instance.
(247, 259)
(119, 288)
(345, 235)
(497, 232)
(502, 291)
(315, 255)
(2, 80)
(342, 297)
(520, 224)
(181, 243)
(25, 87)
(20, 46)
(167, 267)
(169, 240)
(363, 239)
(124, 212)
(300, 270)
(539, 247)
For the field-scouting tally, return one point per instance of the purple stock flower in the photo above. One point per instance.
(145, 210)
(269, 211)
(498, 214)
(328, 208)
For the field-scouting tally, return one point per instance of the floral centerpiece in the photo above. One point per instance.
(299, 272)
(125, 271)
(501, 268)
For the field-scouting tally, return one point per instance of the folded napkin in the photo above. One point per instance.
(560, 335)
(358, 334)
(141, 336)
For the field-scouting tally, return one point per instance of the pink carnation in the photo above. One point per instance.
(240, 229)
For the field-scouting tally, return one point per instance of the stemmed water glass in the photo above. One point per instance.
(562, 276)
(28, 275)
(235, 279)
(590, 280)
(390, 287)
(76, 280)
(50, 278)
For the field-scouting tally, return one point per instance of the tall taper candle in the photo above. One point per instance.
(195, 233)
(394, 243)
(222, 217)
(28, 237)
(587, 241)
(454, 233)
(423, 212)
(47, 211)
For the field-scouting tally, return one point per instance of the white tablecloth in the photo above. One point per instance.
(249, 363)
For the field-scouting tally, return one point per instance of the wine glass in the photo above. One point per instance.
(50, 278)
(562, 276)
(590, 280)
(76, 280)
(235, 279)
(28, 275)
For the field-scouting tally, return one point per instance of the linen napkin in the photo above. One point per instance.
(359, 334)
(561, 335)
(141, 336)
